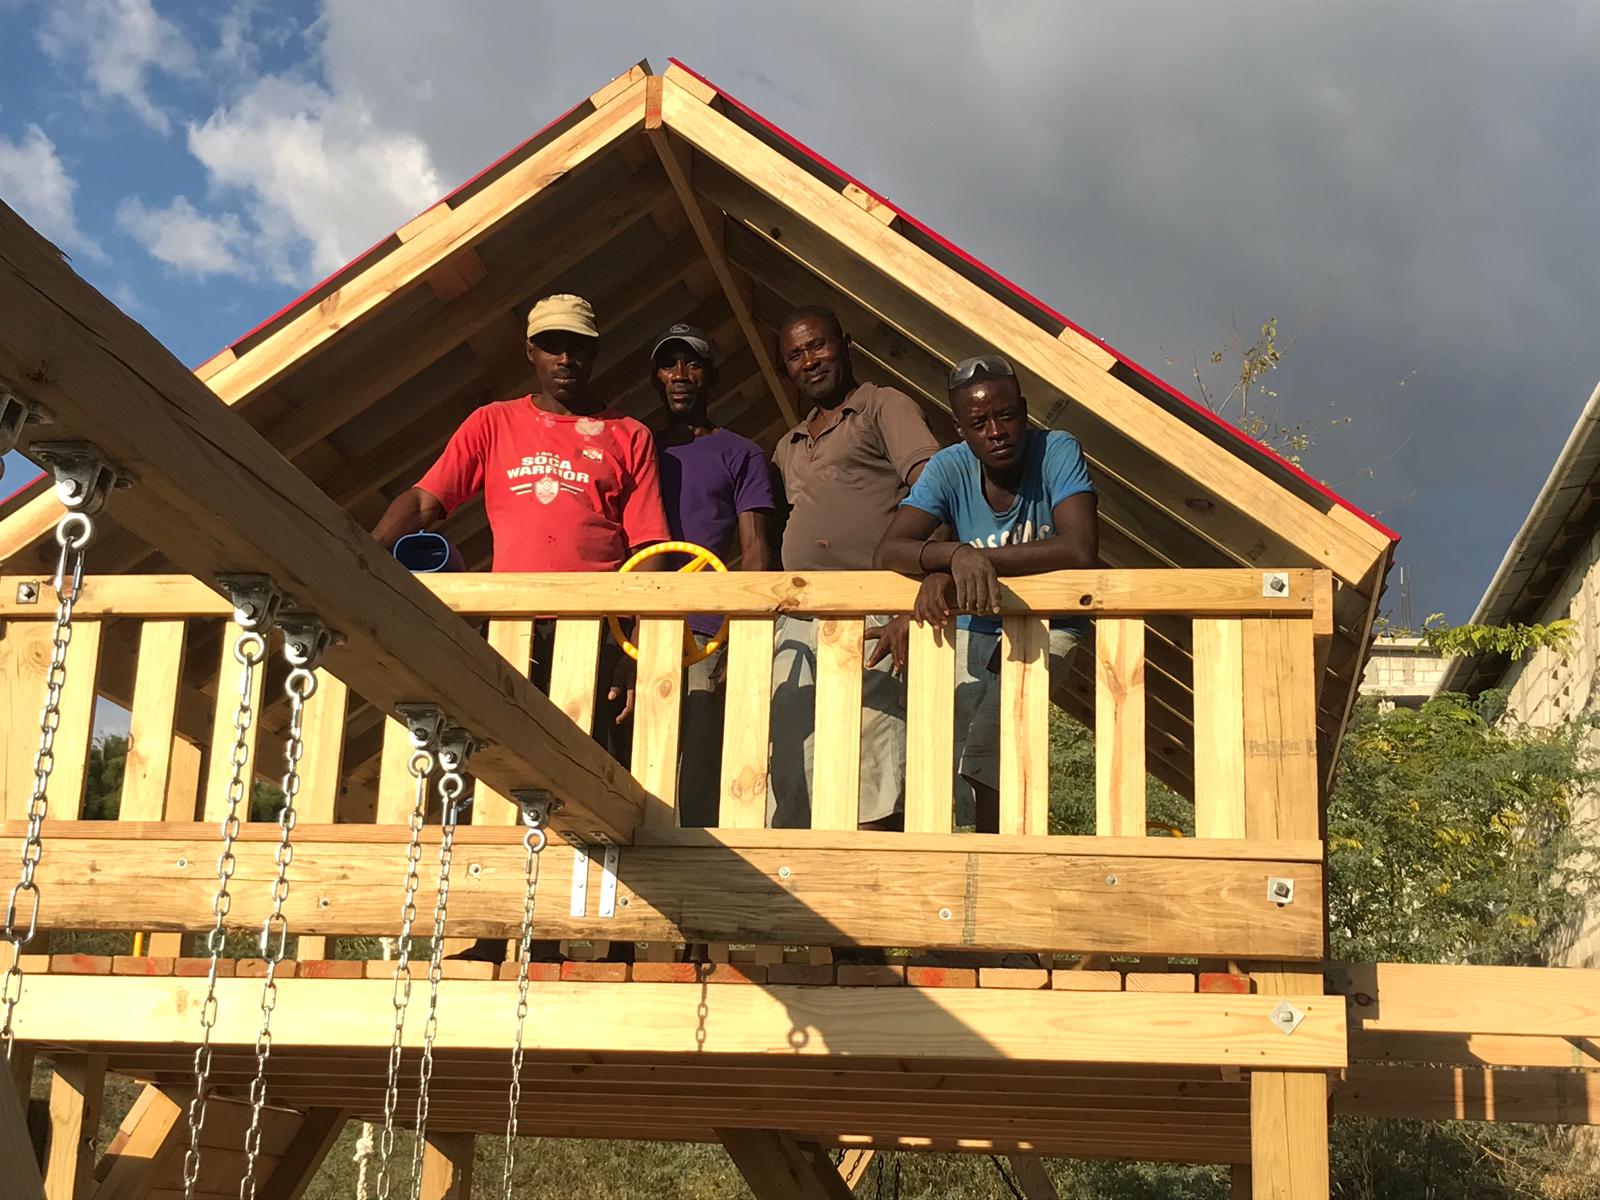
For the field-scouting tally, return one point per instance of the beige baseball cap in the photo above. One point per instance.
(572, 314)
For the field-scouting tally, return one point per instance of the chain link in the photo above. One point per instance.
(420, 766)
(451, 785)
(534, 841)
(73, 534)
(249, 651)
(301, 685)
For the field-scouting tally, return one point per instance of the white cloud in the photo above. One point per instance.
(187, 240)
(120, 44)
(320, 176)
(35, 183)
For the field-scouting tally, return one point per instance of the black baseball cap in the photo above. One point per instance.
(691, 336)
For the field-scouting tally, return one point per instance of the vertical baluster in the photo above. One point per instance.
(24, 655)
(150, 724)
(930, 729)
(513, 640)
(396, 789)
(747, 716)
(657, 706)
(1025, 725)
(1218, 728)
(219, 762)
(836, 759)
(1119, 727)
(1280, 733)
(319, 772)
(573, 668)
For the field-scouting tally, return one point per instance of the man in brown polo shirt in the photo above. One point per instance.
(845, 468)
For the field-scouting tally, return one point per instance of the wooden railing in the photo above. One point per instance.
(1208, 677)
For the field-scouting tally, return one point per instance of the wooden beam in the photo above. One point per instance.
(149, 1140)
(678, 175)
(209, 484)
(1423, 998)
(1475, 1050)
(77, 1088)
(1030, 1175)
(777, 1168)
(299, 1163)
(791, 889)
(18, 1167)
(993, 1025)
(447, 1166)
(1221, 592)
(1469, 1094)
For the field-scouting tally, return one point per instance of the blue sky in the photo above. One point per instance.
(1411, 187)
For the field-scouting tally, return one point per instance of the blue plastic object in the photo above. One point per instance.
(424, 553)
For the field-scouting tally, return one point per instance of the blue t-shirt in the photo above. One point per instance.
(950, 489)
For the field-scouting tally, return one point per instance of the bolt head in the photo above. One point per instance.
(1111, 881)
(784, 872)
(945, 914)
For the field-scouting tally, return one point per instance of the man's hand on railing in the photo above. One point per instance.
(623, 678)
(977, 582)
(893, 638)
(934, 599)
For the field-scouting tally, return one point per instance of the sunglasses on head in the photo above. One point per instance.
(986, 364)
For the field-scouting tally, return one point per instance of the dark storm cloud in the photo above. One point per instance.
(1429, 171)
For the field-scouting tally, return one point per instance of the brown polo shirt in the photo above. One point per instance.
(845, 484)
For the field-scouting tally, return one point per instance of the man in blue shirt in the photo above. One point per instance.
(1018, 501)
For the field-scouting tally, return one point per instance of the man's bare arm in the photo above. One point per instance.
(411, 511)
(755, 540)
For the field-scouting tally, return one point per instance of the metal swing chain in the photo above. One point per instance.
(456, 747)
(536, 809)
(249, 651)
(304, 641)
(424, 740)
(73, 534)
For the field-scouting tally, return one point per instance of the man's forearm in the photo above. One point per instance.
(412, 510)
(1035, 558)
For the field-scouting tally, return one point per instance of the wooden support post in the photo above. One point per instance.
(1289, 1135)
(1032, 1178)
(299, 1162)
(18, 1166)
(777, 1167)
(1218, 728)
(150, 724)
(678, 175)
(76, 1091)
(513, 639)
(930, 730)
(574, 668)
(219, 763)
(447, 1166)
(319, 775)
(1239, 1185)
(853, 1164)
(836, 771)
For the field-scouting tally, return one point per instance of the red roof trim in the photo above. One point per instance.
(1199, 410)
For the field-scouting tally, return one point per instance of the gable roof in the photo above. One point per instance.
(663, 199)
(1563, 518)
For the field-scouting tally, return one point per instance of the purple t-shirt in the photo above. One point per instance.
(705, 484)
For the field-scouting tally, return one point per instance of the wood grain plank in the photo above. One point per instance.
(1280, 735)
(1025, 725)
(658, 707)
(219, 761)
(150, 722)
(512, 639)
(746, 735)
(324, 738)
(1119, 727)
(573, 670)
(1218, 728)
(836, 771)
(77, 1087)
(930, 730)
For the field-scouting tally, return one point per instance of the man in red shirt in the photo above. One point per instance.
(568, 483)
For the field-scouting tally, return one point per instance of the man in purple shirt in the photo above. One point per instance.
(718, 494)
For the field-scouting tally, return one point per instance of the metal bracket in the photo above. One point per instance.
(15, 412)
(255, 599)
(424, 721)
(1275, 584)
(455, 747)
(1280, 890)
(536, 804)
(84, 476)
(1286, 1017)
(580, 877)
(608, 881)
(305, 639)
(28, 591)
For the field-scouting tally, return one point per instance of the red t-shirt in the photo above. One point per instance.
(562, 493)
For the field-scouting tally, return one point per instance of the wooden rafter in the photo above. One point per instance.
(678, 174)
